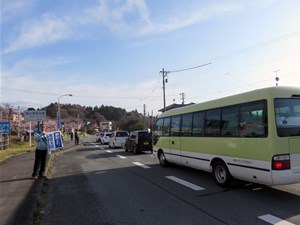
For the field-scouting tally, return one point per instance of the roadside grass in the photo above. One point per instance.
(16, 147)
(40, 209)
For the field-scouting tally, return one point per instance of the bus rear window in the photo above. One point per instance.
(287, 112)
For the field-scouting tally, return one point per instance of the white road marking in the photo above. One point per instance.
(185, 183)
(109, 151)
(141, 165)
(98, 146)
(122, 157)
(274, 220)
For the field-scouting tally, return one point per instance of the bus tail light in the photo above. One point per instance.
(281, 162)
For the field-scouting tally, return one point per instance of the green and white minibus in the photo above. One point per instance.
(254, 136)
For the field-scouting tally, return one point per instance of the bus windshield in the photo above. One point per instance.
(287, 117)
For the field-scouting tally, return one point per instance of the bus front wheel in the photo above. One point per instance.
(162, 159)
(221, 174)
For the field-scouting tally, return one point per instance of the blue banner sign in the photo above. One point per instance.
(54, 140)
(4, 127)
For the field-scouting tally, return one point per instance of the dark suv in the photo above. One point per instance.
(138, 141)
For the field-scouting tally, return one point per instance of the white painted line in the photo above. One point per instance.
(109, 151)
(97, 146)
(274, 220)
(141, 165)
(185, 183)
(122, 157)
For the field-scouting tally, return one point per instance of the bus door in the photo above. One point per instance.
(175, 139)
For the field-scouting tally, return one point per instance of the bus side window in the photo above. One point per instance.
(166, 127)
(186, 124)
(175, 126)
(252, 119)
(229, 125)
(212, 123)
(198, 124)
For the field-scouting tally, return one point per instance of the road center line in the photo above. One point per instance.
(141, 165)
(122, 157)
(274, 220)
(109, 151)
(185, 183)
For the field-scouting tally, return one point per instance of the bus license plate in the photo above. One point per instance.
(146, 143)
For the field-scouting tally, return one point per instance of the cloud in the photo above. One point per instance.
(30, 64)
(130, 18)
(134, 17)
(10, 9)
(118, 16)
(39, 32)
(188, 19)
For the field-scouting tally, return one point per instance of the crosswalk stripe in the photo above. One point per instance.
(141, 165)
(274, 220)
(185, 183)
(122, 157)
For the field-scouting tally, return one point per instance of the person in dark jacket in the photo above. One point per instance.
(76, 137)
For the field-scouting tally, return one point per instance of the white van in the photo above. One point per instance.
(118, 139)
(104, 139)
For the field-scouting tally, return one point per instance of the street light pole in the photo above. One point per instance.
(58, 112)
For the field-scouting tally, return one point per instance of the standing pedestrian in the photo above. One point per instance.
(71, 135)
(76, 137)
(61, 134)
(41, 153)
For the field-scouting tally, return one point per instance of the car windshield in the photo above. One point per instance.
(287, 113)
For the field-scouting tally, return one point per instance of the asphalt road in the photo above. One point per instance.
(98, 185)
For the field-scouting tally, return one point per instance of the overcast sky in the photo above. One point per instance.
(111, 52)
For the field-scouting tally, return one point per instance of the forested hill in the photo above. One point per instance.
(102, 113)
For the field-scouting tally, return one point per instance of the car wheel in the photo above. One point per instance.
(126, 149)
(221, 174)
(162, 159)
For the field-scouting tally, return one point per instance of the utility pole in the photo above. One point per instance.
(182, 97)
(165, 80)
(276, 77)
(144, 116)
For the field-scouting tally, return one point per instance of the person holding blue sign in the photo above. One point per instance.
(41, 153)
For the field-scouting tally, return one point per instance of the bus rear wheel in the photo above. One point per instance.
(162, 159)
(221, 174)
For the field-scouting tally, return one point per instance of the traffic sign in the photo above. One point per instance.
(34, 115)
(4, 127)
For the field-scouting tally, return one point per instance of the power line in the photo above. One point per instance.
(189, 68)
(259, 45)
(165, 80)
(79, 96)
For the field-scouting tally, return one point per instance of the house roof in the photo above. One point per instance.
(174, 105)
